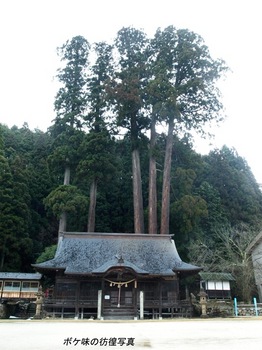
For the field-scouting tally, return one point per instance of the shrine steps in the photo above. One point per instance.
(118, 313)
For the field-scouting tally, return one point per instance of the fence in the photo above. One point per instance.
(241, 309)
(229, 308)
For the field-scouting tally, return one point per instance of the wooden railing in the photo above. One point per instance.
(54, 307)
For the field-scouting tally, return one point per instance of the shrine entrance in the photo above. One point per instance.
(119, 295)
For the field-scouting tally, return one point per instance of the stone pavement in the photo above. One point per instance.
(180, 334)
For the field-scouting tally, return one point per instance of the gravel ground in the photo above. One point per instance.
(181, 334)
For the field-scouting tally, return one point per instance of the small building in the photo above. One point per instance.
(255, 249)
(114, 275)
(18, 286)
(216, 284)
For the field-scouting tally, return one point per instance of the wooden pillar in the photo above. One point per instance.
(135, 301)
(160, 299)
(187, 292)
(99, 305)
(20, 289)
(141, 302)
(103, 298)
(77, 295)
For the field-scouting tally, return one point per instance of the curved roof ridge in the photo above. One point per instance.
(92, 253)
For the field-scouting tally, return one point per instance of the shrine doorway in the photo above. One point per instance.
(120, 294)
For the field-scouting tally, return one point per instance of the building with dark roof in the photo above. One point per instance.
(216, 284)
(116, 275)
(19, 286)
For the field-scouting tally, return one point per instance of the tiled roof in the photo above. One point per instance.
(216, 276)
(96, 253)
(20, 276)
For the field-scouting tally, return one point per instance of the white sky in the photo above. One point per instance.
(31, 30)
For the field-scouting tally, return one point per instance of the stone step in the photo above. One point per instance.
(119, 317)
(118, 314)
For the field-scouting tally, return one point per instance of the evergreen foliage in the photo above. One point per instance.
(204, 199)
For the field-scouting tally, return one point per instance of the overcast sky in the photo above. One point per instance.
(31, 30)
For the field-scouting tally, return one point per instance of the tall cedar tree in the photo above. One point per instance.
(70, 105)
(101, 71)
(184, 76)
(130, 82)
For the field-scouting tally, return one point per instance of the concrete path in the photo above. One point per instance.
(211, 334)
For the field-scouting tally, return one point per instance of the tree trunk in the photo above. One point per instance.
(137, 193)
(92, 207)
(62, 223)
(63, 217)
(165, 210)
(152, 199)
(2, 261)
(67, 176)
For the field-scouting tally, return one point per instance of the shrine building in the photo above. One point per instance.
(117, 276)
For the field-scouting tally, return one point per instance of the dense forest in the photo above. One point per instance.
(119, 156)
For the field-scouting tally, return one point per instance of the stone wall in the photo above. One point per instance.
(221, 308)
(249, 310)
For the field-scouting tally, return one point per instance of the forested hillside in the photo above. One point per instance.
(208, 194)
(118, 156)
